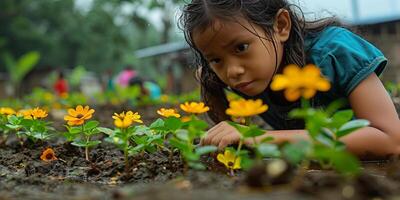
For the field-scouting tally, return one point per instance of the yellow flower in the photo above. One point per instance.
(38, 113)
(164, 98)
(300, 82)
(78, 115)
(246, 108)
(168, 113)
(229, 159)
(64, 95)
(186, 118)
(35, 113)
(124, 120)
(26, 113)
(7, 111)
(48, 155)
(194, 107)
(48, 96)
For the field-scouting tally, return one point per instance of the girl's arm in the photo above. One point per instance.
(369, 100)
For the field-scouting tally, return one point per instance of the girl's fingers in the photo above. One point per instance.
(217, 138)
(211, 134)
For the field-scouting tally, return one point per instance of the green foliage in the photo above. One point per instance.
(99, 36)
(33, 129)
(325, 130)
(19, 68)
(133, 140)
(183, 136)
(80, 136)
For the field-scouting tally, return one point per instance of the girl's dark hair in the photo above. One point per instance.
(200, 14)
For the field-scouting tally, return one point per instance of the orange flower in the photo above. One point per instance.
(78, 115)
(123, 120)
(246, 108)
(48, 155)
(168, 113)
(35, 113)
(299, 82)
(7, 111)
(194, 107)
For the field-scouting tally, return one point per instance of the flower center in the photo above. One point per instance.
(79, 116)
(49, 156)
(230, 164)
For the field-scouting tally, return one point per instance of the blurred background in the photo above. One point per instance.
(95, 46)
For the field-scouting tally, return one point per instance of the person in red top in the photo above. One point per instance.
(61, 85)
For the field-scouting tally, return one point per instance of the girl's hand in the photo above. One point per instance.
(221, 135)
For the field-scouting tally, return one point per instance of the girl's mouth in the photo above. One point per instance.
(244, 86)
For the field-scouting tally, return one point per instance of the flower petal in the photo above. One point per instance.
(292, 94)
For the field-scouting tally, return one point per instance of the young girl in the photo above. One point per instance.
(240, 45)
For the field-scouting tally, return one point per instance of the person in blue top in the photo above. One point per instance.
(241, 45)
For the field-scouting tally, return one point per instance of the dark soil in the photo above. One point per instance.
(155, 176)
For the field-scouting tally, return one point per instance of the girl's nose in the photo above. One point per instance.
(234, 71)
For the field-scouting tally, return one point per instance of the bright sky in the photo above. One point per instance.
(343, 8)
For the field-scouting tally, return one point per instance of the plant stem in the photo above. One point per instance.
(126, 160)
(87, 148)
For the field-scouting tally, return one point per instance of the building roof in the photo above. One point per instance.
(375, 20)
(161, 49)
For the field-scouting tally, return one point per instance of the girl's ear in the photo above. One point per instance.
(282, 25)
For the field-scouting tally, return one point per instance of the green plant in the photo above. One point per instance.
(30, 123)
(132, 140)
(79, 132)
(17, 69)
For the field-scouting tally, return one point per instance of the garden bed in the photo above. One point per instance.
(156, 176)
(153, 176)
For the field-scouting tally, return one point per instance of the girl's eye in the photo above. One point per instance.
(214, 61)
(241, 48)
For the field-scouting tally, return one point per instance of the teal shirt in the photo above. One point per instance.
(344, 58)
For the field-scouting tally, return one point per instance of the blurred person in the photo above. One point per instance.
(125, 76)
(61, 85)
(147, 88)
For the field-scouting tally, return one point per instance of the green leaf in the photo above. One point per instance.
(93, 143)
(296, 152)
(136, 149)
(336, 105)
(158, 124)
(198, 124)
(269, 150)
(351, 126)
(13, 126)
(253, 131)
(24, 65)
(246, 162)
(341, 117)
(142, 130)
(267, 139)
(74, 129)
(190, 156)
(205, 150)
(182, 134)
(342, 161)
(182, 146)
(90, 125)
(79, 143)
(173, 123)
(14, 120)
(69, 136)
(196, 165)
(106, 131)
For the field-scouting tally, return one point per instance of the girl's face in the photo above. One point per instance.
(240, 53)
